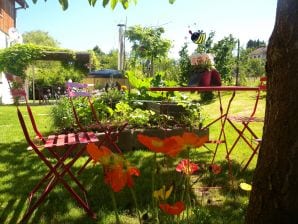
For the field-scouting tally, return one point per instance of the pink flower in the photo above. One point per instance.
(185, 166)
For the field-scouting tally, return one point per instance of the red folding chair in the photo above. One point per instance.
(246, 133)
(54, 151)
(110, 132)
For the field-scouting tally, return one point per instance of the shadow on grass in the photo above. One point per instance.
(21, 170)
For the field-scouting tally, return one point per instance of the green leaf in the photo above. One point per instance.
(113, 3)
(125, 4)
(64, 4)
(92, 2)
(105, 2)
(171, 1)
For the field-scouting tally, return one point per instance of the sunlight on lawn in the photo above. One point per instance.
(20, 170)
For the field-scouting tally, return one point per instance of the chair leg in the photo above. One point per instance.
(251, 157)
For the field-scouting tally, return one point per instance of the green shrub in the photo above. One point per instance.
(62, 114)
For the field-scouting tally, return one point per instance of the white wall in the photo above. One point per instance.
(5, 96)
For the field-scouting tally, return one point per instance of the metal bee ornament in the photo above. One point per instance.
(198, 37)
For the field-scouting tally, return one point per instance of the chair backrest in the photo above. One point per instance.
(75, 90)
(263, 81)
(20, 92)
(262, 87)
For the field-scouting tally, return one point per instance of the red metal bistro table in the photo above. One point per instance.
(223, 113)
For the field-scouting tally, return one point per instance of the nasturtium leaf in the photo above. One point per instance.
(171, 1)
(245, 186)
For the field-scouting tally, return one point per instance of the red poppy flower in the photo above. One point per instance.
(170, 146)
(174, 209)
(154, 144)
(216, 169)
(97, 154)
(193, 140)
(117, 177)
(185, 166)
(173, 146)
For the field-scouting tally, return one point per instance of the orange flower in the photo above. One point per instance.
(174, 209)
(117, 177)
(170, 146)
(193, 140)
(185, 166)
(155, 144)
(173, 146)
(98, 154)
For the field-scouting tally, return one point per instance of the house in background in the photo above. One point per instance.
(8, 11)
(259, 53)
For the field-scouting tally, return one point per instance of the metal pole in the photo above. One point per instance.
(33, 84)
(121, 47)
(238, 60)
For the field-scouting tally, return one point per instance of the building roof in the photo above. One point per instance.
(106, 73)
(22, 3)
(259, 51)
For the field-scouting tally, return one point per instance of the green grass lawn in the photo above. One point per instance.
(20, 170)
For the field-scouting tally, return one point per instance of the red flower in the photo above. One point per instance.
(174, 209)
(117, 177)
(187, 167)
(216, 169)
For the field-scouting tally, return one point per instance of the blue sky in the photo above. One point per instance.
(82, 27)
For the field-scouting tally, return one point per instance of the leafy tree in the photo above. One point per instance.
(106, 61)
(39, 37)
(255, 44)
(224, 60)
(147, 44)
(250, 67)
(184, 65)
(110, 60)
(256, 67)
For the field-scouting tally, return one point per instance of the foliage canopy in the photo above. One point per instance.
(17, 58)
(113, 3)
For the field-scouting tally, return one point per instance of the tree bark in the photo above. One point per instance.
(274, 198)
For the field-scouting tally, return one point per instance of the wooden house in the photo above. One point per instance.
(8, 10)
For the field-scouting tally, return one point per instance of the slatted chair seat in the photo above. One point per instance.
(240, 118)
(70, 139)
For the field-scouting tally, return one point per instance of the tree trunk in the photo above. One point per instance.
(274, 198)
